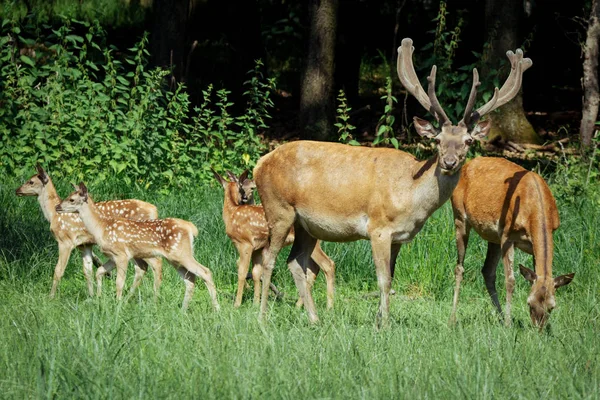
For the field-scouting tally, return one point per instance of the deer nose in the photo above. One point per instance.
(450, 163)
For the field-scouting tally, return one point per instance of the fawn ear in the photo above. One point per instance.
(41, 173)
(527, 273)
(232, 176)
(218, 177)
(244, 176)
(563, 280)
(83, 191)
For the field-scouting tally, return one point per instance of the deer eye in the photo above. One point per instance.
(71, 201)
(469, 142)
(31, 182)
(436, 140)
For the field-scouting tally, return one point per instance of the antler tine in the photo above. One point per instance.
(471, 102)
(512, 85)
(436, 108)
(407, 74)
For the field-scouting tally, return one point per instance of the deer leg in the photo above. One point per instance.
(64, 252)
(243, 263)
(140, 267)
(257, 260)
(508, 254)
(121, 263)
(394, 250)
(462, 240)
(189, 280)
(100, 272)
(88, 262)
(298, 262)
(326, 264)
(381, 247)
(489, 273)
(205, 274)
(156, 264)
(278, 230)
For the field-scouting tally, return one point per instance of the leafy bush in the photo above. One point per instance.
(87, 111)
(342, 118)
(453, 84)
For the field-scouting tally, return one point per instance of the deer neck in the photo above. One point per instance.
(543, 246)
(230, 205)
(92, 220)
(432, 187)
(48, 200)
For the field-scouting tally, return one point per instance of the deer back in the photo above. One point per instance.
(499, 198)
(342, 192)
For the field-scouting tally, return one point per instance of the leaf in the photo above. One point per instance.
(27, 60)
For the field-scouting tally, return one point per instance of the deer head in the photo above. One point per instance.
(453, 141)
(541, 298)
(241, 189)
(35, 184)
(73, 203)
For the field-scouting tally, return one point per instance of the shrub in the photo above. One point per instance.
(87, 111)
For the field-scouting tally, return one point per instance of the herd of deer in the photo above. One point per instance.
(313, 191)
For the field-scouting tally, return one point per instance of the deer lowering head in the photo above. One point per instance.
(454, 140)
(541, 299)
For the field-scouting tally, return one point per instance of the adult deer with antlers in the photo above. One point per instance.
(246, 226)
(342, 193)
(123, 239)
(69, 231)
(508, 206)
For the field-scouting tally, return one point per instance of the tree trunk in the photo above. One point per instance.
(317, 96)
(502, 19)
(590, 78)
(168, 39)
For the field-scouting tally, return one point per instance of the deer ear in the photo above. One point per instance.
(218, 177)
(424, 128)
(481, 129)
(244, 176)
(563, 280)
(527, 273)
(83, 191)
(231, 176)
(41, 173)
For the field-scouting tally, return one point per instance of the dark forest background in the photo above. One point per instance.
(315, 48)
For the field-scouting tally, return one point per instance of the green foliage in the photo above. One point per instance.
(342, 118)
(385, 131)
(109, 12)
(87, 111)
(453, 84)
(575, 180)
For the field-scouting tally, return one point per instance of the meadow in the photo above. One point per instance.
(79, 347)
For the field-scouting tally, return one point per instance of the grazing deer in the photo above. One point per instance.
(343, 193)
(508, 206)
(123, 239)
(246, 226)
(69, 231)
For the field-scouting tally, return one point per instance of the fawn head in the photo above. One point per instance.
(453, 141)
(35, 184)
(541, 298)
(75, 200)
(240, 189)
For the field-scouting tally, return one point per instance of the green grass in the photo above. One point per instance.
(99, 348)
